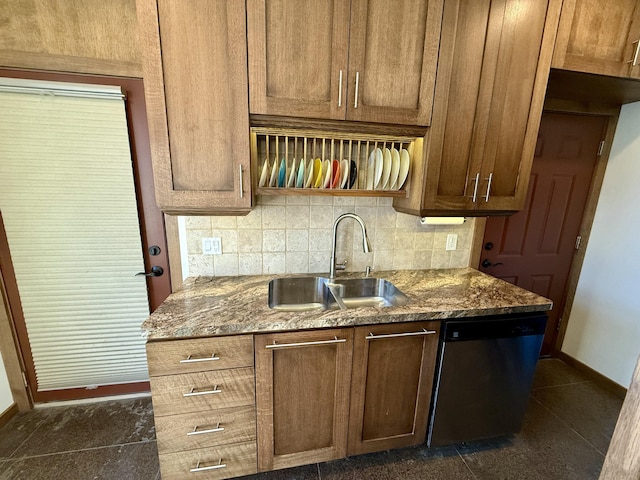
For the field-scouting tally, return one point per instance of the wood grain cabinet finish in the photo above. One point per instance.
(494, 63)
(195, 78)
(599, 37)
(392, 380)
(364, 60)
(203, 393)
(302, 396)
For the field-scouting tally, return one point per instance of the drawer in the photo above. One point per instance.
(202, 391)
(199, 355)
(205, 429)
(230, 461)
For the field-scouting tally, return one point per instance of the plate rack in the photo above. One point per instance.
(273, 145)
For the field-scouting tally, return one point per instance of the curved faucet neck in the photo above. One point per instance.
(366, 246)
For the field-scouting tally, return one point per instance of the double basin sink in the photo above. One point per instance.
(321, 293)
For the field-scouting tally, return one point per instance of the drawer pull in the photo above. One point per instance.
(193, 393)
(198, 468)
(371, 336)
(211, 430)
(203, 359)
(306, 344)
(474, 197)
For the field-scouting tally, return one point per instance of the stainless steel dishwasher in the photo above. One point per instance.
(484, 376)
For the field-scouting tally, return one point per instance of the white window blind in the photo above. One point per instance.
(69, 207)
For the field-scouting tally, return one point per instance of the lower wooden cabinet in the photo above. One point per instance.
(302, 396)
(326, 394)
(391, 384)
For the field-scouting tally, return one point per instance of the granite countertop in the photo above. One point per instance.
(209, 306)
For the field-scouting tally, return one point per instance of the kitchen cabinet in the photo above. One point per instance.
(599, 38)
(494, 64)
(364, 60)
(302, 396)
(203, 393)
(392, 379)
(195, 78)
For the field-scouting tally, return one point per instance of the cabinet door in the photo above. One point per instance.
(302, 396)
(512, 89)
(195, 76)
(298, 57)
(393, 53)
(393, 370)
(597, 37)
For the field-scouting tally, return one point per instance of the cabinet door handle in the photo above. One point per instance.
(355, 103)
(211, 430)
(486, 197)
(340, 90)
(198, 468)
(424, 331)
(241, 182)
(212, 358)
(306, 344)
(634, 62)
(474, 197)
(193, 393)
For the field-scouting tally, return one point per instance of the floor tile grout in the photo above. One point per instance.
(319, 474)
(561, 385)
(568, 426)
(26, 439)
(78, 450)
(465, 462)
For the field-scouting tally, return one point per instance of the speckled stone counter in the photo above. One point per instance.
(208, 306)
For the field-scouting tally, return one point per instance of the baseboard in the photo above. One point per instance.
(8, 414)
(615, 388)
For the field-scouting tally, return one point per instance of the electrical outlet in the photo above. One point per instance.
(212, 246)
(452, 241)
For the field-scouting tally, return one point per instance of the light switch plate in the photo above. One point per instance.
(211, 246)
(452, 241)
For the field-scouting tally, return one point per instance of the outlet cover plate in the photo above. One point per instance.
(212, 246)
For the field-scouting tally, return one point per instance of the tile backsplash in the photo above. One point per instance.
(293, 234)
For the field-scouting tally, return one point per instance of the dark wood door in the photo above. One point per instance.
(534, 248)
(302, 396)
(393, 367)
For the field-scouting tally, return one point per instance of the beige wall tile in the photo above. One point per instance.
(320, 216)
(251, 220)
(297, 200)
(319, 240)
(224, 222)
(194, 240)
(318, 262)
(460, 258)
(229, 239)
(250, 240)
(198, 223)
(225, 264)
(273, 241)
(422, 259)
(383, 260)
(440, 259)
(297, 240)
(273, 263)
(200, 265)
(250, 264)
(273, 217)
(297, 216)
(297, 262)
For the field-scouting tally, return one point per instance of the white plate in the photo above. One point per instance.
(327, 170)
(300, 178)
(274, 174)
(292, 174)
(307, 183)
(405, 162)
(386, 170)
(344, 172)
(395, 169)
(265, 171)
(374, 169)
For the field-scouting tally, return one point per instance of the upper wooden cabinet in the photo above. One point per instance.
(364, 60)
(597, 37)
(494, 64)
(195, 78)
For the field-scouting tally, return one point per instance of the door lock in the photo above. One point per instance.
(156, 271)
(488, 245)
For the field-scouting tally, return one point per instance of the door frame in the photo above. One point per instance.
(577, 108)
(151, 227)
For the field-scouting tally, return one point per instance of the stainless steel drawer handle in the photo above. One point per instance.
(193, 393)
(306, 344)
(424, 331)
(241, 182)
(489, 179)
(474, 197)
(634, 62)
(198, 468)
(202, 359)
(340, 90)
(355, 103)
(210, 430)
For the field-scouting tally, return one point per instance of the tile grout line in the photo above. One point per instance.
(465, 462)
(26, 439)
(319, 474)
(562, 385)
(568, 426)
(79, 450)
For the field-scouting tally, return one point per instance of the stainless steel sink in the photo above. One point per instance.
(319, 293)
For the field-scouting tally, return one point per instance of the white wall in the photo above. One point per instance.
(6, 398)
(604, 326)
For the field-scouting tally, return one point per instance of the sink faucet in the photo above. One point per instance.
(366, 247)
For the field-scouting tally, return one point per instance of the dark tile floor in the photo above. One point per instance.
(565, 435)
